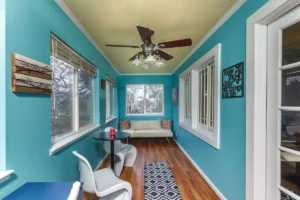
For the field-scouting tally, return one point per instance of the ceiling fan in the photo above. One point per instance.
(150, 52)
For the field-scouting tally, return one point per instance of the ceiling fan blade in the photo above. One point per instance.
(116, 45)
(133, 57)
(145, 34)
(163, 55)
(175, 43)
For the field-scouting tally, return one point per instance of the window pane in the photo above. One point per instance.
(290, 134)
(62, 98)
(211, 123)
(290, 172)
(85, 92)
(291, 44)
(154, 98)
(112, 100)
(135, 99)
(291, 87)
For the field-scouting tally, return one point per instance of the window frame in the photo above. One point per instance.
(108, 100)
(145, 113)
(211, 136)
(78, 132)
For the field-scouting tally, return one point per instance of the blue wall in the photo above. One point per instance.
(2, 86)
(224, 167)
(28, 125)
(149, 79)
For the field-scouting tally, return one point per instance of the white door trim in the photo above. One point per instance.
(256, 94)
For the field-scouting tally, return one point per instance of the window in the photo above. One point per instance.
(199, 99)
(206, 96)
(73, 105)
(111, 99)
(187, 96)
(145, 99)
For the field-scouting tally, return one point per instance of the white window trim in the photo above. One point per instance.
(108, 101)
(5, 175)
(70, 138)
(210, 137)
(147, 114)
(111, 119)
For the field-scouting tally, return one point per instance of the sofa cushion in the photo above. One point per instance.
(145, 124)
(124, 124)
(149, 133)
(166, 124)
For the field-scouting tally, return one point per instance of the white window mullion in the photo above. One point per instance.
(112, 100)
(76, 101)
(208, 96)
(144, 99)
(205, 97)
(190, 96)
(194, 98)
(93, 96)
(182, 99)
(212, 94)
(200, 97)
(107, 100)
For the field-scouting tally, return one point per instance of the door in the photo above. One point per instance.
(283, 108)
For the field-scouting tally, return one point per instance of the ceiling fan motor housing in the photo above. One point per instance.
(148, 48)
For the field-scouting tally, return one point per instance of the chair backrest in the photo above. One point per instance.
(86, 174)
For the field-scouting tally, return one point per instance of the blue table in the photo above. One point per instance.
(43, 191)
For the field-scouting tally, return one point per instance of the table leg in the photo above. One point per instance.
(112, 155)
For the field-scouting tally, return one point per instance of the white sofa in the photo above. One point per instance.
(148, 129)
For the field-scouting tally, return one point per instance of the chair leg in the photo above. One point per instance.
(127, 140)
(168, 140)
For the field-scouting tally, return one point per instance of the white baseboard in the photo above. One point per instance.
(222, 197)
(101, 162)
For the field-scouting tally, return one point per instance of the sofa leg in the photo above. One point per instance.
(168, 140)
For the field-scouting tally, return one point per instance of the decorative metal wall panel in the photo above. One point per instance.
(233, 81)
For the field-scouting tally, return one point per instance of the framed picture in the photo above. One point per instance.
(175, 96)
(233, 81)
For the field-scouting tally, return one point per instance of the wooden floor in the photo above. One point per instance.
(190, 183)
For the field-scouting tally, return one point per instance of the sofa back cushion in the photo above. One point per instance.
(145, 124)
(166, 124)
(124, 125)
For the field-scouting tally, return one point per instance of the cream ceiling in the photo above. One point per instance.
(115, 21)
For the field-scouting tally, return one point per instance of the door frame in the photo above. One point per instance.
(256, 94)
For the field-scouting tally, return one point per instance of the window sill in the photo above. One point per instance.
(202, 135)
(110, 119)
(146, 115)
(72, 138)
(5, 175)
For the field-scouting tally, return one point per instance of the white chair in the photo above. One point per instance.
(102, 182)
(126, 152)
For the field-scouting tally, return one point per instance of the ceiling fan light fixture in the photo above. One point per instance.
(150, 59)
(137, 61)
(159, 63)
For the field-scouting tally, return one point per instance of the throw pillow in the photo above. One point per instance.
(124, 125)
(166, 124)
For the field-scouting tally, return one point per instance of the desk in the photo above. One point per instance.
(105, 136)
(43, 191)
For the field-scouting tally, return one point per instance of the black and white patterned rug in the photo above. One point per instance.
(159, 182)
